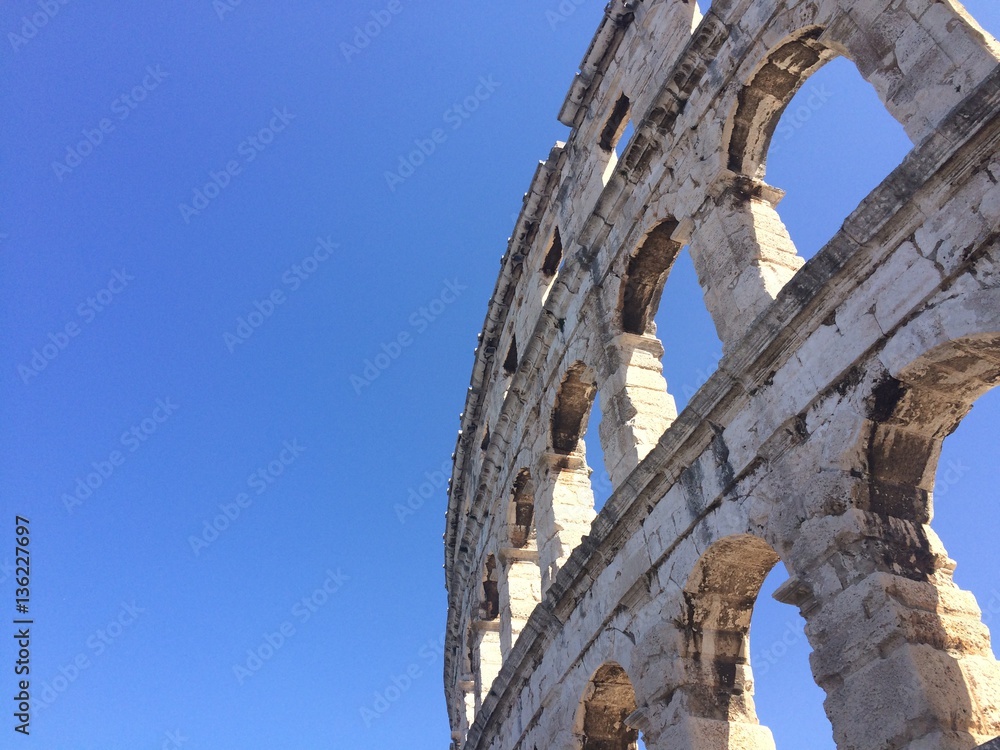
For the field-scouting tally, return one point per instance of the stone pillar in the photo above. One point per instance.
(487, 633)
(564, 509)
(677, 725)
(520, 591)
(900, 650)
(469, 707)
(636, 406)
(742, 254)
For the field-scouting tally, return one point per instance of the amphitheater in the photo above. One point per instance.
(815, 443)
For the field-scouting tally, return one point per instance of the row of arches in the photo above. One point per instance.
(743, 257)
(515, 585)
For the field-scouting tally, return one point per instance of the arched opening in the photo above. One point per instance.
(787, 699)
(608, 700)
(553, 255)
(645, 276)
(691, 345)
(521, 520)
(520, 582)
(600, 479)
(487, 656)
(719, 598)
(614, 136)
(510, 361)
(489, 604)
(566, 503)
(572, 408)
(834, 143)
(918, 624)
(764, 98)
(966, 497)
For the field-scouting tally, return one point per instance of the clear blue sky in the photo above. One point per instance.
(214, 297)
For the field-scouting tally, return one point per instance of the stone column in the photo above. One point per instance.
(742, 253)
(697, 733)
(564, 509)
(636, 406)
(520, 591)
(680, 725)
(487, 633)
(900, 650)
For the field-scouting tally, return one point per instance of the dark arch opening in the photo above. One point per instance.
(608, 700)
(510, 362)
(490, 604)
(764, 98)
(720, 595)
(572, 407)
(645, 276)
(909, 418)
(553, 255)
(522, 525)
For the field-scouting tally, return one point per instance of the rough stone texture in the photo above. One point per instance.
(814, 443)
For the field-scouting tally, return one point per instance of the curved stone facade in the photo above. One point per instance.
(814, 443)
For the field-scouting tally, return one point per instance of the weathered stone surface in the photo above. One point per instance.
(814, 443)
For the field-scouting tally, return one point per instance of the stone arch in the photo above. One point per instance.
(521, 512)
(893, 614)
(719, 597)
(762, 100)
(564, 496)
(553, 255)
(486, 654)
(520, 578)
(645, 275)
(607, 701)
(572, 407)
(922, 398)
(918, 82)
(698, 674)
